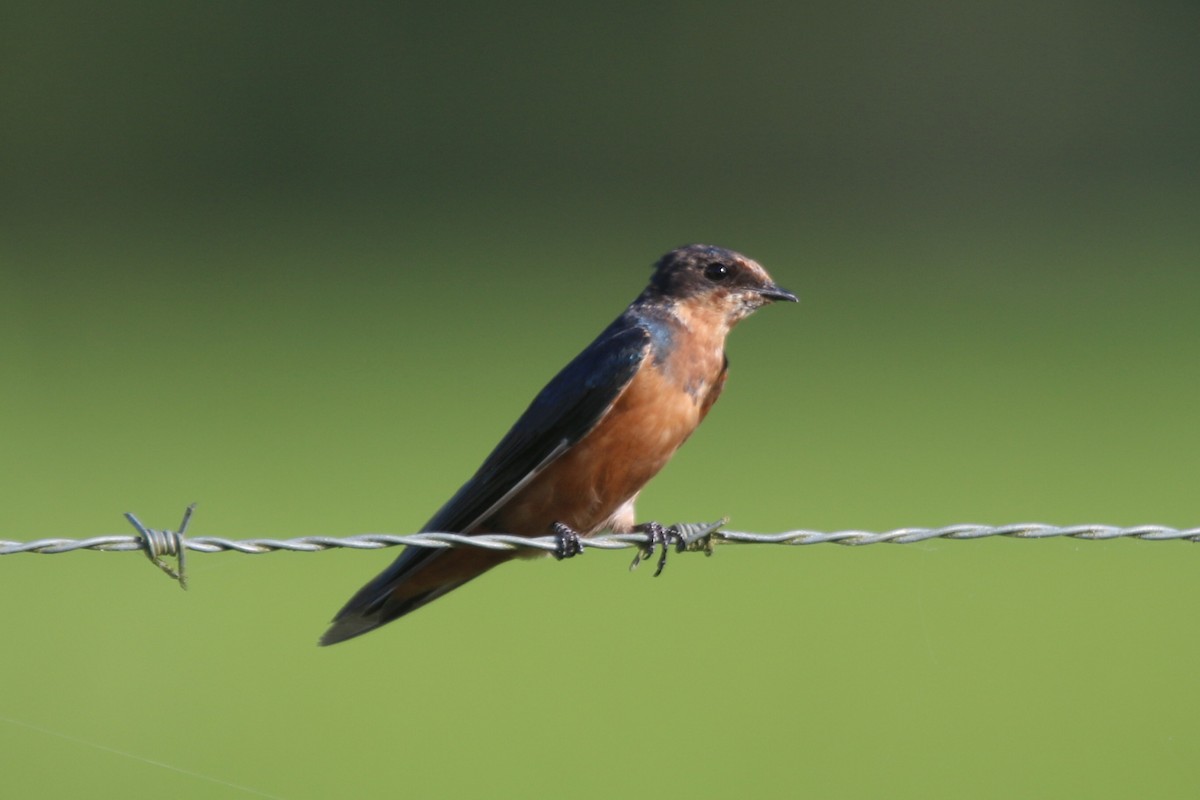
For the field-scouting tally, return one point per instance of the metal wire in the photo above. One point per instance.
(160, 544)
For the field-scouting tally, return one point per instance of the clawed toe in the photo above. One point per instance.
(658, 537)
(569, 543)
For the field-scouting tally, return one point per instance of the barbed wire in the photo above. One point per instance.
(159, 544)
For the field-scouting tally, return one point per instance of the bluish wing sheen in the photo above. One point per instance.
(562, 414)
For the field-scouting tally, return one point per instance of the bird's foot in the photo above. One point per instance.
(659, 537)
(568, 541)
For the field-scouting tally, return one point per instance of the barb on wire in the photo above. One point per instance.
(165, 543)
(158, 544)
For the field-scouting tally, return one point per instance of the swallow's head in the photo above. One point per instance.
(715, 282)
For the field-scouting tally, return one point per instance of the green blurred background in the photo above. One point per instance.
(305, 265)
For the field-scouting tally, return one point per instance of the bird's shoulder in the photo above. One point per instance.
(562, 413)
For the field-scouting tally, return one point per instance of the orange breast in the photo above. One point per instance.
(647, 424)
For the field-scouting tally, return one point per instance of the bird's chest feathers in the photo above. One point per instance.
(690, 354)
(652, 417)
(663, 404)
(656, 413)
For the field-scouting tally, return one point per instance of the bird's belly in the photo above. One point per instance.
(586, 486)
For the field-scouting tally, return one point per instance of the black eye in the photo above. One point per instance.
(717, 272)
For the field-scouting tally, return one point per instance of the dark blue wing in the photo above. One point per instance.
(562, 414)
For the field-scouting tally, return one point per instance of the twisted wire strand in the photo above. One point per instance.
(168, 542)
(164, 543)
(377, 541)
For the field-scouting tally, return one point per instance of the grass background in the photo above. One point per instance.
(305, 266)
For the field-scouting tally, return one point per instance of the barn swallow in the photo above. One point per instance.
(575, 461)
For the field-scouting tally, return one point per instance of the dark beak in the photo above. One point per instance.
(775, 292)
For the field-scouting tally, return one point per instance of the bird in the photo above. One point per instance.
(575, 461)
